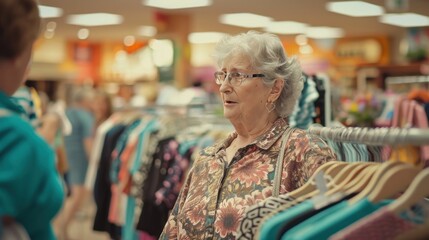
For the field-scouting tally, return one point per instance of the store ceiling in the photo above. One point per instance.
(204, 19)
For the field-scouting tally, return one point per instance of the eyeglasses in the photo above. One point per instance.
(234, 78)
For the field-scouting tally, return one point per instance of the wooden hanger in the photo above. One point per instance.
(373, 178)
(342, 174)
(394, 181)
(312, 190)
(333, 170)
(417, 190)
(310, 186)
(351, 172)
(362, 180)
(415, 193)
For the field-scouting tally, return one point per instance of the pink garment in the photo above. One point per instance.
(409, 113)
(146, 236)
(114, 204)
(382, 224)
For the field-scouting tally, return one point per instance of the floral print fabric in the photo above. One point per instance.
(215, 195)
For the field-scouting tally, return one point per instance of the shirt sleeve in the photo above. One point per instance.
(317, 153)
(30, 189)
(304, 154)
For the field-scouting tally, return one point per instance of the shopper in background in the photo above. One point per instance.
(30, 189)
(128, 98)
(103, 107)
(51, 129)
(78, 147)
(259, 87)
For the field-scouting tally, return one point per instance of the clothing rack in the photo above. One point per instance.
(373, 136)
(407, 79)
(193, 109)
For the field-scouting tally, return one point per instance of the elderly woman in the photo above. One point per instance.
(259, 87)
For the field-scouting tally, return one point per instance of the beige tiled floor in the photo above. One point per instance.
(81, 225)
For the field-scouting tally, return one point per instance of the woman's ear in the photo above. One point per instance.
(276, 89)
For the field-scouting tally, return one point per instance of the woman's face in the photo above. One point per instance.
(246, 101)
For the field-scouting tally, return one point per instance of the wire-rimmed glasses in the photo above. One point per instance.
(234, 78)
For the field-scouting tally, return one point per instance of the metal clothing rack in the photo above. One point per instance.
(373, 136)
(407, 79)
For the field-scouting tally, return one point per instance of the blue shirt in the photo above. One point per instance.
(30, 189)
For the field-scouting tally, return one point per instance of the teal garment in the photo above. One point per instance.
(271, 228)
(30, 188)
(128, 231)
(332, 220)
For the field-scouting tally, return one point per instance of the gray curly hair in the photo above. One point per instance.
(267, 55)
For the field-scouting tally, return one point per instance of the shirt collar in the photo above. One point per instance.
(7, 102)
(265, 141)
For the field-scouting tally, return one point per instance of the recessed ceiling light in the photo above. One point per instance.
(129, 40)
(83, 33)
(355, 8)
(405, 20)
(286, 27)
(247, 20)
(94, 19)
(176, 4)
(148, 31)
(324, 32)
(301, 39)
(205, 37)
(50, 12)
(50, 26)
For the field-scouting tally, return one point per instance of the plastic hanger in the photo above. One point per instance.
(373, 178)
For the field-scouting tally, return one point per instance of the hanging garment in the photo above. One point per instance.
(255, 214)
(287, 217)
(332, 220)
(383, 224)
(102, 191)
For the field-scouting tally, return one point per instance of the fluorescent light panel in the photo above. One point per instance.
(355, 8)
(405, 20)
(50, 12)
(247, 20)
(324, 32)
(94, 19)
(205, 37)
(176, 4)
(286, 27)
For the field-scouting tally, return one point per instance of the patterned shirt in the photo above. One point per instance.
(215, 194)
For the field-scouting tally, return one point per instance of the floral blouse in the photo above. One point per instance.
(215, 194)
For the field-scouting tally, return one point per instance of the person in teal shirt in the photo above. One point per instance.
(30, 189)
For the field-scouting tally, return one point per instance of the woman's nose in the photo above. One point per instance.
(225, 87)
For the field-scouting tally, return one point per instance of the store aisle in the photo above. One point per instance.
(81, 225)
